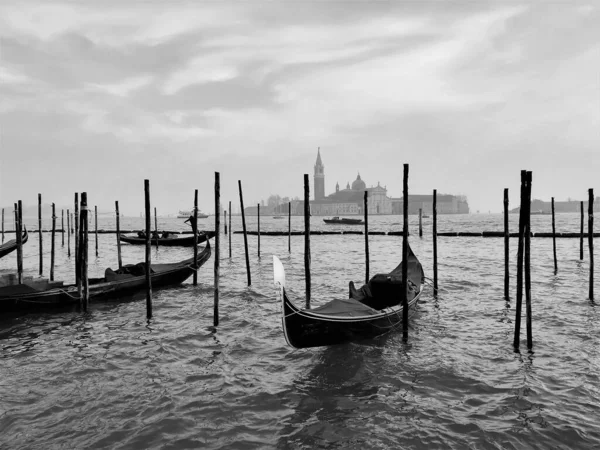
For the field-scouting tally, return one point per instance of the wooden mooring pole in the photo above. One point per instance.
(290, 227)
(435, 268)
(148, 217)
(553, 237)
(420, 222)
(258, 227)
(156, 225)
(19, 228)
(225, 221)
(522, 227)
(217, 245)
(591, 239)
(76, 236)
(527, 261)
(230, 229)
(118, 225)
(366, 206)
(68, 234)
(195, 276)
(307, 239)
(40, 234)
(52, 243)
(245, 234)
(581, 233)
(405, 254)
(3, 225)
(506, 247)
(83, 243)
(62, 225)
(96, 227)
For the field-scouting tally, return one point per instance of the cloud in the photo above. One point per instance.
(122, 88)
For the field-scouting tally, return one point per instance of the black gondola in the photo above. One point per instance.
(343, 221)
(171, 240)
(121, 284)
(372, 310)
(10, 246)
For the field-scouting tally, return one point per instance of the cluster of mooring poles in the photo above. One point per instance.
(524, 252)
(77, 225)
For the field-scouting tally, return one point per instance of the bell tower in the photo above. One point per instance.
(319, 177)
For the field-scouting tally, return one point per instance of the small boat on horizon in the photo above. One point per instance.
(343, 221)
(182, 214)
(278, 217)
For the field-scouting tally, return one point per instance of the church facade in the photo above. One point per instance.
(347, 201)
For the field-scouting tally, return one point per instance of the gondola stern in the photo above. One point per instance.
(278, 273)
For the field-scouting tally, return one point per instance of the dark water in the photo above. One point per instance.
(110, 379)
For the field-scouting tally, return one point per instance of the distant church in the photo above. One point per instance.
(347, 201)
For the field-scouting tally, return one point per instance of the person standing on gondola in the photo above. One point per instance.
(193, 224)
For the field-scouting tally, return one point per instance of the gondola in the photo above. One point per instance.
(122, 284)
(172, 240)
(372, 310)
(343, 221)
(11, 245)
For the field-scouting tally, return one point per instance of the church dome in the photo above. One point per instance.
(358, 184)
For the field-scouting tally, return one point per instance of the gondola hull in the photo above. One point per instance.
(343, 221)
(23, 297)
(11, 245)
(304, 329)
(187, 241)
(373, 310)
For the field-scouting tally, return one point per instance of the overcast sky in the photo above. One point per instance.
(98, 95)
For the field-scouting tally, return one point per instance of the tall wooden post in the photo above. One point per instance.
(230, 229)
(245, 235)
(258, 227)
(522, 219)
(96, 227)
(581, 233)
(217, 246)
(3, 225)
(225, 221)
(420, 222)
(435, 268)
(527, 261)
(68, 234)
(366, 206)
(156, 226)
(76, 235)
(405, 254)
(52, 243)
(506, 247)
(290, 227)
(83, 243)
(195, 276)
(40, 233)
(62, 225)
(307, 239)
(118, 215)
(553, 237)
(19, 228)
(591, 239)
(148, 249)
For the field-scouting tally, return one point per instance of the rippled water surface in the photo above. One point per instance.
(110, 379)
